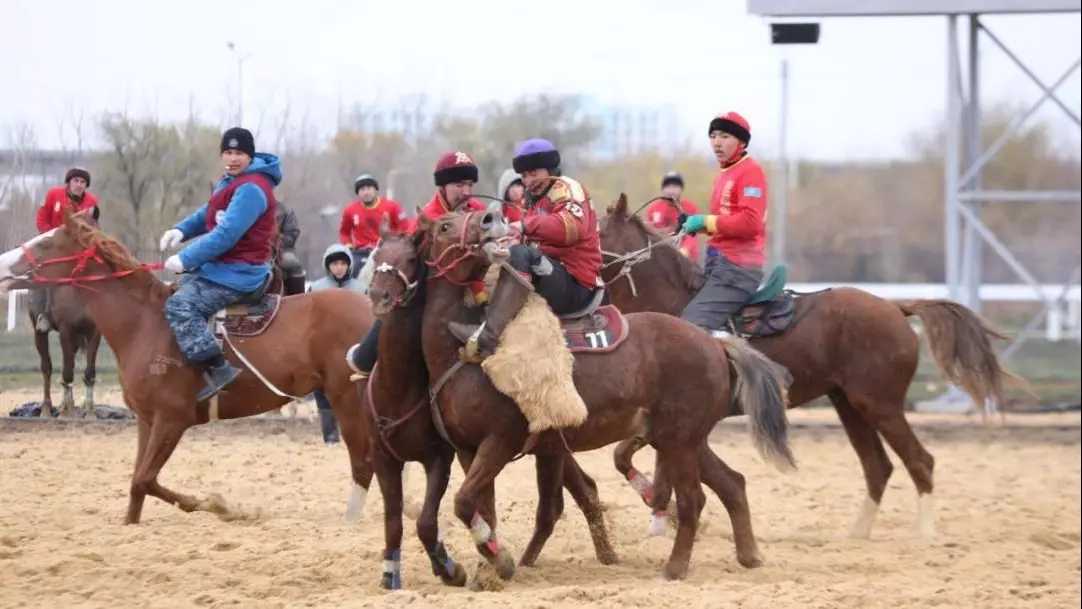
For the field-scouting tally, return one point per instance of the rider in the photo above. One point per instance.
(737, 223)
(72, 195)
(361, 219)
(560, 256)
(664, 217)
(512, 191)
(293, 274)
(233, 258)
(455, 176)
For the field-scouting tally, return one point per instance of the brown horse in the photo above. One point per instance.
(76, 331)
(847, 344)
(402, 428)
(662, 367)
(286, 347)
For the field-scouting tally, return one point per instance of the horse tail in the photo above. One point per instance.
(759, 388)
(961, 343)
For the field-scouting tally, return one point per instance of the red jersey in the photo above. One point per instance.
(564, 227)
(439, 206)
(663, 216)
(51, 213)
(360, 223)
(739, 202)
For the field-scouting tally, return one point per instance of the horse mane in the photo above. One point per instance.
(114, 254)
(690, 273)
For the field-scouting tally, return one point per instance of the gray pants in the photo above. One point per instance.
(40, 299)
(727, 289)
(188, 312)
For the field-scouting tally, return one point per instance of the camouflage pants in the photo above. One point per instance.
(188, 311)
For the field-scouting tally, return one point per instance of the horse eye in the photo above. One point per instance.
(445, 227)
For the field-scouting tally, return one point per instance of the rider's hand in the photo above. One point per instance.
(700, 223)
(174, 264)
(172, 238)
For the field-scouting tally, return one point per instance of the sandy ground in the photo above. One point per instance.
(1008, 506)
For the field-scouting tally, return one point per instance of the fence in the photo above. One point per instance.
(1059, 323)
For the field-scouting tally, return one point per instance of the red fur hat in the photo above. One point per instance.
(454, 167)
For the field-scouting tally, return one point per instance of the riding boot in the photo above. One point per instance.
(508, 298)
(294, 284)
(219, 374)
(42, 324)
(328, 426)
(361, 358)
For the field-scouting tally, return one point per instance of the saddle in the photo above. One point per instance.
(596, 328)
(252, 315)
(770, 311)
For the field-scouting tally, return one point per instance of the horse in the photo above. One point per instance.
(852, 346)
(649, 365)
(76, 331)
(285, 346)
(402, 429)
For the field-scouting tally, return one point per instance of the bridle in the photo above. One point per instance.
(81, 260)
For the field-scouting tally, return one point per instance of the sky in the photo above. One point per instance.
(860, 93)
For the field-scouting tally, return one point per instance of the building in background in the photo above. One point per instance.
(628, 129)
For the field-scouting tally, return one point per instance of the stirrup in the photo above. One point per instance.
(471, 351)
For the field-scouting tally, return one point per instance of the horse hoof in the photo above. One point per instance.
(607, 557)
(506, 569)
(751, 562)
(659, 527)
(458, 578)
(674, 572)
(390, 581)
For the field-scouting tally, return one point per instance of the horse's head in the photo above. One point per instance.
(61, 252)
(620, 231)
(398, 274)
(462, 244)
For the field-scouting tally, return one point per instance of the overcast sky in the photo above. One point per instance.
(859, 93)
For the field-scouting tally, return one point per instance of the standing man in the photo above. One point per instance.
(75, 196)
(361, 219)
(737, 225)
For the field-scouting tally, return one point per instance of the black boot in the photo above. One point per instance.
(219, 374)
(328, 426)
(507, 300)
(361, 358)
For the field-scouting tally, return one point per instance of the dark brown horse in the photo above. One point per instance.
(402, 429)
(847, 344)
(76, 331)
(664, 368)
(286, 347)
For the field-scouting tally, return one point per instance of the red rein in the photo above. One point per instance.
(81, 260)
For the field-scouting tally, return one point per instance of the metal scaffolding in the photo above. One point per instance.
(964, 160)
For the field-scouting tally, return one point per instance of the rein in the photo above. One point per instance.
(384, 424)
(630, 259)
(81, 260)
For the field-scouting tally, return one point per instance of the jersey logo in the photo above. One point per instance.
(575, 209)
(753, 192)
(461, 158)
(356, 219)
(219, 216)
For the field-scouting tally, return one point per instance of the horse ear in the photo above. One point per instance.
(621, 206)
(384, 228)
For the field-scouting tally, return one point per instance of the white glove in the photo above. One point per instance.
(174, 264)
(172, 238)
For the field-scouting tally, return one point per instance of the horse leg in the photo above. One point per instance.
(873, 460)
(90, 373)
(67, 371)
(138, 494)
(164, 436)
(625, 451)
(494, 453)
(550, 504)
(389, 475)
(680, 463)
(352, 431)
(891, 423)
(728, 484)
(438, 474)
(583, 490)
(41, 342)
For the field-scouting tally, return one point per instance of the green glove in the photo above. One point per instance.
(695, 224)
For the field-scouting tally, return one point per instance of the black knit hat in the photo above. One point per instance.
(365, 179)
(672, 177)
(239, 138)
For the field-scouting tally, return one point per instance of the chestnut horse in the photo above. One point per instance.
(300, 346)
(401, 427)
(854, 347)
(665, 368)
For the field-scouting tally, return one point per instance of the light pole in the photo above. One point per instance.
(240, 80)
(785, 34)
